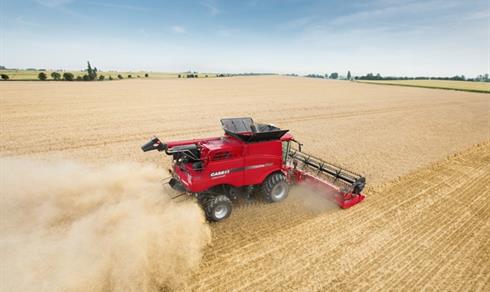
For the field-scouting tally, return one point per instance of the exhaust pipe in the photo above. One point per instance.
(154, 144)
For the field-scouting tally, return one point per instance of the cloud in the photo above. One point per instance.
(118, 6)
(212, 6)
(21, 21)
(142, 32)
(297, 22)
(477, 15)
(227, 32)
(62, 6)
(177, 29)
(54, 3)
(394, 9)
(253, 3)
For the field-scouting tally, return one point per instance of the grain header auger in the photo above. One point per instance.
(252, 156)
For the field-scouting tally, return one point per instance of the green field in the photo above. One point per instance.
(32, 74)
(439, 84)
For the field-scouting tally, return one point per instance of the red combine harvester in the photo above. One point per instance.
(252, 156)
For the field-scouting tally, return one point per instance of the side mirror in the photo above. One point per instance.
(299, 145)
(154, 144)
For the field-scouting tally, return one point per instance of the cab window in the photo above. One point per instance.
(285, 151)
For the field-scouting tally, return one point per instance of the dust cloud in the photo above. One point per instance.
(66, 226)
(311, 199)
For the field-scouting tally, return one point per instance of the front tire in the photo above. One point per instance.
(218, 208)
(275, 188)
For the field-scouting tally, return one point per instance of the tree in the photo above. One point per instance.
(68, 76)
(42, 76)
(119, 76)
(334, 75)
(56, 75)
(89, 68)
(5, 77)
(110, 77)
(101, 77)
(314, 76)
(348, 75)
(129, 76)
(91, 73)
(86, 77)
(79, 78)
(146, 75)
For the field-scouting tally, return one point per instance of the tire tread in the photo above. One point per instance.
(211, 203)
(269, 184)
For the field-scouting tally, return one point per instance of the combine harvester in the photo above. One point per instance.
(252, 156)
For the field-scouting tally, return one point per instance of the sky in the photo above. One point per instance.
(393, 38)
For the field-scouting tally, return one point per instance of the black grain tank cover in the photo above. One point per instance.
(246, 130)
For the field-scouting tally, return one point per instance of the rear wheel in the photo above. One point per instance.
(275, 187)
(217, 208)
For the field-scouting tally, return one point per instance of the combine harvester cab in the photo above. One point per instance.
(248, 157)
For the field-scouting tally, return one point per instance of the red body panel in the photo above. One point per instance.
(262, 159)
(245, 164)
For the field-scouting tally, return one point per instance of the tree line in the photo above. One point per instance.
(333, 75)
(371, 76)
(90, 75)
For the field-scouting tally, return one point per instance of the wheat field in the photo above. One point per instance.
(424, 224)
(438, 84)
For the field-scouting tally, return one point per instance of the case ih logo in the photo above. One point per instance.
(220, 173)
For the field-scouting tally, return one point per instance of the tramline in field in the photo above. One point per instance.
(252, 156)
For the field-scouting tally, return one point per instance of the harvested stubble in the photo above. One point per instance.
(425, 230)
